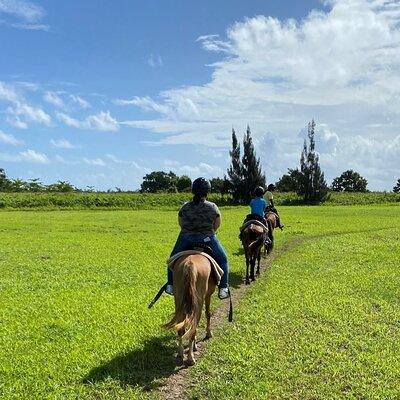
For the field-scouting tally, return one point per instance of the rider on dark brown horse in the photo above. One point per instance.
(257, 206)
(270, 203)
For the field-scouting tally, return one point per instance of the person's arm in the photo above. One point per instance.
(272, 202)
(217, 223)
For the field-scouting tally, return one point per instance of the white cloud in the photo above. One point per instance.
(67, 120)
(194, 171)
(28, 156)
(8, 93)
(20, 112)
(26, 13)
(102, 121)
(54, 99)
(17, 123)
(80, 101)
(62, 144)
(155, 61)
(94, 161)
(25, 10)
(9, 139)
(117, 160)
(34, 157)
(339, 66)
(29, 113)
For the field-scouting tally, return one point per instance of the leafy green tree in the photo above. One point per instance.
(183, 184)
(252, 173)
(18, 185)
(244, 174)
(349, 181)
(217, 185)
(158, 181)
(235, 171)
(61, 186)
(35, 185)
(396, 188)
(4, 182)
(290, 182)
(313, 186)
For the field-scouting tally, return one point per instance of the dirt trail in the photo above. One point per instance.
(177, 385)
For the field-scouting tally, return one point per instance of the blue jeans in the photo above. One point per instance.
(184, 242)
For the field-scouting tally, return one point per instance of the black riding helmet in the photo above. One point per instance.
(271, 187)
(259, 191)
(201, 186)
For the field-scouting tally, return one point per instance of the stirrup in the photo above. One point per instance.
(169, 289)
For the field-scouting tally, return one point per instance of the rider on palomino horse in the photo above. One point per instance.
(199, 220)
(270, 204)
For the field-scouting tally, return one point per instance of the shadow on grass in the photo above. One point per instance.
(236, 279)
(239, 252)
(141, 367)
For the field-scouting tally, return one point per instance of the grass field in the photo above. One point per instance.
(323, 322)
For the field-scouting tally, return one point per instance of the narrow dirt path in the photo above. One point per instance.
(176, 385)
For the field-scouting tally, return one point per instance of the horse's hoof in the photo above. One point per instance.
(190, 361)
(209, 335)
(247, 282)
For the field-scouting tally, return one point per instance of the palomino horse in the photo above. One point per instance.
(193, 286)
(272, 222)
(253, 237)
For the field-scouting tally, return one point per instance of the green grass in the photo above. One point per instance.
(164, 201)
(324, 323)
(74, 324)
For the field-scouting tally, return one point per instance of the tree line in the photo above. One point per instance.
(243, 175)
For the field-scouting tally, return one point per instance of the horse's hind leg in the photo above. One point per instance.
(190, 359)
(247, 270)
(208, 317)
(252, 267)
(258, 260)
(180, 344)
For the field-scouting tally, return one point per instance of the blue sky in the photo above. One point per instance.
(100, 93)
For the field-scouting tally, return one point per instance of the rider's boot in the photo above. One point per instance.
(223, 293)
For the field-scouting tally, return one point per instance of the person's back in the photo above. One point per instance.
(198, 217)
(270, 203)
(257, 206)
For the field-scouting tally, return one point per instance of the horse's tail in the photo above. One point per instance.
(186, 313)
(258, 242)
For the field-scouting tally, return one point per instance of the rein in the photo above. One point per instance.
(157, 296)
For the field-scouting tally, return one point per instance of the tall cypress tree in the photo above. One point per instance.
(252, 173)
(235, 170)
(313, 188)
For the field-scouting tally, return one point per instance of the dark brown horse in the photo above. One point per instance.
(193, 286)
(253, 237)
(272, 223)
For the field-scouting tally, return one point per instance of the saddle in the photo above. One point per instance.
(201, 247)
(216, 270)
(271, 212)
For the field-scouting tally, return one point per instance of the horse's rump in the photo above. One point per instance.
(191, 276)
